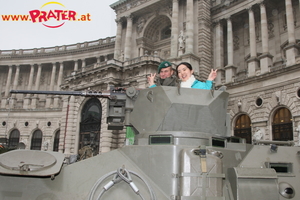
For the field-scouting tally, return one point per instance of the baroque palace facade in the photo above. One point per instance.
(254, 44)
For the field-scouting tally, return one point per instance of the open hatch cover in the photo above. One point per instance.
(31, 163)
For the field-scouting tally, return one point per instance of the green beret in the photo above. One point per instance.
(164, 64)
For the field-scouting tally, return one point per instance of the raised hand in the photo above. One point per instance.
(212, 75)
(151, 79)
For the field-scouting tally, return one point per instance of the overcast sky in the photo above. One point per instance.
(26, 34)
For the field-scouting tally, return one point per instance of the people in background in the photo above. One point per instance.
(166, 76)
(185, 74)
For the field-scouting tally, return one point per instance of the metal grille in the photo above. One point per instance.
(56, 141)
(36, 141)
(283, 132)
(243, 128)
(14, 138)
(90, 125)
(244, 133)
(282, 126)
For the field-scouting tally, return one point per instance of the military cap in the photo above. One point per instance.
(164, 64)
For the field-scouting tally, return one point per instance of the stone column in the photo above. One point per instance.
(29, 87)
(118, 42)
(128, 49)
(105, 135)
(59, 81)
(219, 52)
(69, 125)
(252, 61)
(83, 65)
(38, 77)
(174, 40)
(230, 69)
(49, 97)
(53, 76)
(60, 76)
(36, 87)
(290, 21)
(265, 58)
(189, 26)
(75, 65)
(98, 62)
(8, 81)
(291, 50)
(63, 124)
(15, 84)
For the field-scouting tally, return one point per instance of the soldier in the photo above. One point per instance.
(166, 76)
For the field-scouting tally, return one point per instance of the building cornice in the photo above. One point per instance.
(72, 49)
(262, 78)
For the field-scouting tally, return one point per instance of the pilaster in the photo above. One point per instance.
(34, 99)
(230, 72)
(59, 81)
(128, 49)
(266, 58)
(68, 126)
(218, 52)
(265, 62)
(189, 26)
(49, 97)
(174, 37)
(253, 64)
(105, 135)
(27, 98)
(291, 50)
(117, 51)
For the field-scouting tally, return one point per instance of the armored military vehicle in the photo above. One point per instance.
(182, 150)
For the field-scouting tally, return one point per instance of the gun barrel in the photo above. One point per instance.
(74, 93)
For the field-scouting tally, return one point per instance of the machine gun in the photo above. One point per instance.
(120, 102)
(87, 93)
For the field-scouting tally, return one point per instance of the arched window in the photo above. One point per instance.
(242, 128)
(166, 32)
(282, 125)
(158, 29)
(14, 138)
(56, 141)
(90, 125)
(36, 140)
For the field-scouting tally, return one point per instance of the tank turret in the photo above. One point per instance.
(164, 109)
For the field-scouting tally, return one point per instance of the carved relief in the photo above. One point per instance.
(166, 54)
(181, 43)
(259, 133)
(130, 5)
(270, 28)
(140, 24)
(278, 97)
